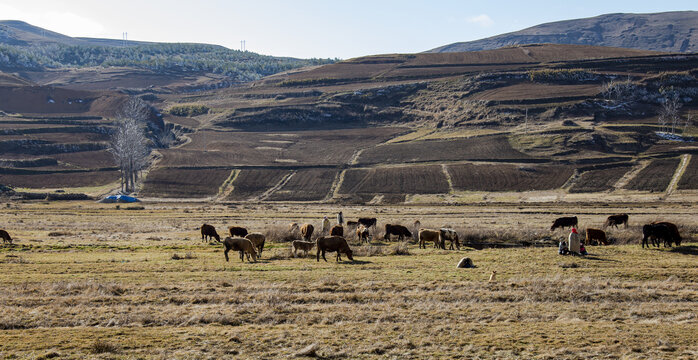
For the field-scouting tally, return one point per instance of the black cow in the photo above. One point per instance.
(655, 232)
(368, 222)
(564, 222)
(237, 231)
(398, 230)
(209, 232)
(615, 220)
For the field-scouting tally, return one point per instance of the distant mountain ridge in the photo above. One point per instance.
(20, 33)
(668, 31)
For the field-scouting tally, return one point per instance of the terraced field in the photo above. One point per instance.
(497, 177)
(53, 180)
(312, 147)
(306, 185)
(184, 183)
(395, 180)
(689, 180)
(478, 148)
(599, 180)
(251, 183)
(655, 177)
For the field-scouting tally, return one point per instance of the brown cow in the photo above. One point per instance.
(6, 238)
(564, 222)
(237, 231)
(429, 235)
(615, 220)
(258, 241)
(399, 230)
(337, 230)
(596, 236)
(301, 245)
(209, 232)
(332, 244)
(307, 231)
(244, 246)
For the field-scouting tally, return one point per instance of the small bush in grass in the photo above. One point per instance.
(186, 256)
(102, 347)
(58, 233)
(398, 249)
(137, 207)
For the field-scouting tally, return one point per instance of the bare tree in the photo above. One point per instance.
(129, 145)
(618, 90)
(168, 136)
(669, 113)
(688, 122)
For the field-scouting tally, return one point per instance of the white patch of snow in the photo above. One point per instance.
(670, 136)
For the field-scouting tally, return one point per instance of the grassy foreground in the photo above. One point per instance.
(83, 295)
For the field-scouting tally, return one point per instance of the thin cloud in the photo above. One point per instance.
(482, 20)
(63, 22)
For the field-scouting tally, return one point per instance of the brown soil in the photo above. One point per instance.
(478, 148)
(306, 185)
(689, 180)
(56, 180)
(396, 180)
(655, 177)
(254, 182)
(184, 183)
(599, 180)
(508, 177)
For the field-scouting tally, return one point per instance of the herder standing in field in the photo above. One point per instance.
(325, 226)
(340, 218)
(573, 242)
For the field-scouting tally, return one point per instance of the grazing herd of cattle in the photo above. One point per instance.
(252, 244)
(656, 231)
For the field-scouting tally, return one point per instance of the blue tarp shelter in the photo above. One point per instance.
(119, 199)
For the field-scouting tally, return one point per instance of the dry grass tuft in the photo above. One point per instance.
(59, 233)
(308, 351)
(187, 256)
(103, 347)
(49, 355)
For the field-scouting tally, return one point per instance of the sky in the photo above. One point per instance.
(312, 28)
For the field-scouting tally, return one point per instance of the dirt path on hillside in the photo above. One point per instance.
(677, 175)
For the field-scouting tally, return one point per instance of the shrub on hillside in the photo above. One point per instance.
(189, 110)
(562, 75)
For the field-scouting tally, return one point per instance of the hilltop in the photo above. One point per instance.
(668, 31)
(48, 57)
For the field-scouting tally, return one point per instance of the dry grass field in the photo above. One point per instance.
(87, 280)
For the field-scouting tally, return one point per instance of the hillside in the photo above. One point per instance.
(527, 123)
(668, 31)
(38, 54)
